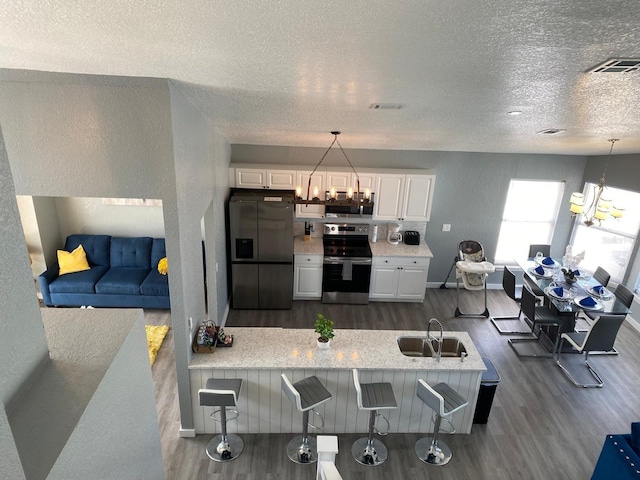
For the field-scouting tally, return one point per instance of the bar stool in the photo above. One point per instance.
(223, 393)
(372, 397)
(306, 395)
(444, 400)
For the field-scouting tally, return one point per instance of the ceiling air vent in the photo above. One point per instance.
(385, 106)
(617, 65)
(551, 131)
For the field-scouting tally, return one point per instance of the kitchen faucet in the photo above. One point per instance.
(439, 354)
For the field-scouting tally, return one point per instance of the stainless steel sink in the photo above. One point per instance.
(419, 347)
(451, 347)
(414, 346)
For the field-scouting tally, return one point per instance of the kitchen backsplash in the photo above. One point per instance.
(298, 227)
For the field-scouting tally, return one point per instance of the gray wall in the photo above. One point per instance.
(470, 189)
(92, 136)
(20, 321)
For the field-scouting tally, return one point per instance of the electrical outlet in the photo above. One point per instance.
(446, 227)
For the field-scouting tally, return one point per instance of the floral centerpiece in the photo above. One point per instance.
(569, 275)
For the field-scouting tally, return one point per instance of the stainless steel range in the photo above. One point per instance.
(347, 263)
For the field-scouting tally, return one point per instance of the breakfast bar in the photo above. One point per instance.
(259, 356)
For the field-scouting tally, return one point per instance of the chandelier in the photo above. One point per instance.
(333, 197)
(600, 206)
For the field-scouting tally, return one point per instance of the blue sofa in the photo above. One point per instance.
(123, 273)
(620, 456)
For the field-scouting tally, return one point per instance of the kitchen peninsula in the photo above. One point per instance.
(260, 355)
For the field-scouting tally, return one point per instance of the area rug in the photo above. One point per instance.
(155, 337)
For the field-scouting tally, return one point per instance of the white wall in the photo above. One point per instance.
(90, 215)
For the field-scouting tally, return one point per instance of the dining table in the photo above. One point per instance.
(568, 299)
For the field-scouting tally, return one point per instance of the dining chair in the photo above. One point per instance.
(537, 316)
(514, 292)
(599, 338)
(601, 276)
(545, 249)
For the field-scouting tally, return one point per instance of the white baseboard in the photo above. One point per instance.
(490, 286)
(187, 432)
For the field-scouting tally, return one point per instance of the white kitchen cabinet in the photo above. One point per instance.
(307, 277)
(317, 180)
(265, 178)
(402, 279)
(367, 180)
(338, 180)
(403, 197)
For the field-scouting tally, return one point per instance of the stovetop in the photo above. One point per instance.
(344, 240)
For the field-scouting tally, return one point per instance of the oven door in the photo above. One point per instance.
(346, 280)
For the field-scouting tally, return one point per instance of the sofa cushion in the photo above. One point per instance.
(122, 281)
(96, 247)
(155, 284)
(635, 437)
(79, 282)
(158, 251)
(71, 262)
(131, 252)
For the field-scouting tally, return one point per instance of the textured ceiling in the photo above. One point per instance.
(287, 72)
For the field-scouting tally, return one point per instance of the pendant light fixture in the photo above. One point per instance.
(600, 207)
(331, 196)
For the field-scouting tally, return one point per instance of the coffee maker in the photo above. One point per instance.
(394, 237)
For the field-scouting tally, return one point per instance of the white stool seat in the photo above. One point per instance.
(305, 394)
(223, 393)
(444, 401)
(372, 397)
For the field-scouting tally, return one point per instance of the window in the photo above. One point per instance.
(610, 244)
(525, 222)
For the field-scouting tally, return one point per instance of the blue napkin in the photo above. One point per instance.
(588, 302)
(539, 270)
(559, 291)
(548, 261)
(599, 289)
(576, 273)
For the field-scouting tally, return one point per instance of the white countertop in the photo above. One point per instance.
(286, 348)
(378, 249)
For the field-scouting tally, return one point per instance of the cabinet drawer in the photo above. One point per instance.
(402, 261)
(313, 259)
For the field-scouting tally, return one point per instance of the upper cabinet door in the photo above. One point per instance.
(388, 201)
(281, 179)
(367, 180)
(318, 180)
(338, 180)
(418, 196)
(250, 178)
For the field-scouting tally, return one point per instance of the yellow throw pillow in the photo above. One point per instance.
(75, 261)
(163, 266)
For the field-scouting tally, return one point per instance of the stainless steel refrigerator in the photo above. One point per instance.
(261, 237)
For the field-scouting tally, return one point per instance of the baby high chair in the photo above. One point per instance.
(473, 268)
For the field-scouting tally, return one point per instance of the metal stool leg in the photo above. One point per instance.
(432, 451)
(368, 450)
(303, 449)
(224, 447)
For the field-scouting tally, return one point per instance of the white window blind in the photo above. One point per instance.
(529, 217)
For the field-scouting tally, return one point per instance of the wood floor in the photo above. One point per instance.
(541, 426)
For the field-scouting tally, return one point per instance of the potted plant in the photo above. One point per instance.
(324, 327)
(569, 275)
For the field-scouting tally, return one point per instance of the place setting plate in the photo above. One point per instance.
(597, 306)
(546, 274)
(604, 294)
(566, 294)
(540, 261)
